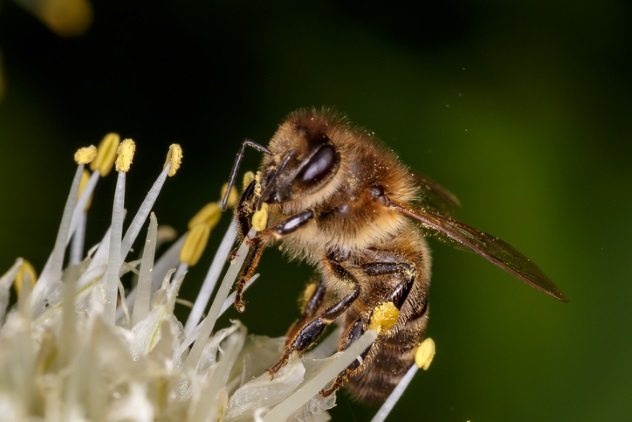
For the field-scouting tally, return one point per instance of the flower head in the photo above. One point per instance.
(78, 345)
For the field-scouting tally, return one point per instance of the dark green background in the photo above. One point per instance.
(522, 109)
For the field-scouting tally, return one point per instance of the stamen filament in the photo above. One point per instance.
(114, 260)
(143, 288)
(395, 395)
(78, 239)
(328, 372)
(143, 211)
(208, 323)
(52, 270)
(214, 271)
(423, 357)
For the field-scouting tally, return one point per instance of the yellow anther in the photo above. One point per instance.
(174, 157)
(307, 294)
(125, 155)
(85, 178)
(425, 353)
(260, 218)
(208, 215)
(194, 244)
(26, 273)
(233, 196)
(85, 155)
(106, 154)
(384, 317)
(247, 180)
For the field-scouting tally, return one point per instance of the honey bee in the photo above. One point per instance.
(345, 204)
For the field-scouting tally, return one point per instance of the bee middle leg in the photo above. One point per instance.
(313, 300)
(307, 331)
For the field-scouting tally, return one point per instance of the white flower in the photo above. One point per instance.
(77, 347)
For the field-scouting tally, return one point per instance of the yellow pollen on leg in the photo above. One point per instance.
(384, 317)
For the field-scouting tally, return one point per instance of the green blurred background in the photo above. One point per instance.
(523, 110)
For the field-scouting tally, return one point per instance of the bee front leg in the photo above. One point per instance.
(247, 271)
(257, 245)
(307, 334)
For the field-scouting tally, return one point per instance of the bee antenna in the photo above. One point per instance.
(237, 163)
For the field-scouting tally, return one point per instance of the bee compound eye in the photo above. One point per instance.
(319, 165)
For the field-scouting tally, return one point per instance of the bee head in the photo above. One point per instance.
(303, 160)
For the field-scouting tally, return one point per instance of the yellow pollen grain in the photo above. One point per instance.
(174, 157)
(247, 180)
(125, 155)
(260, 218)
(25, 273)
(209, 215)
(425, 353)
(233, 196)
(194, 244)
(83, 183)
(106, 154)
(384, 317)
(85, 155)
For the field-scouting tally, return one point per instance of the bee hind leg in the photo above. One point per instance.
(398, 295)
(351, 334)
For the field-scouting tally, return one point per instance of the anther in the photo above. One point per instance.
(209, 214)
(85, 155)
(233, 196)
(174, 157)
(125, 155)
(425, 353)
(194, 244)
(106, 154)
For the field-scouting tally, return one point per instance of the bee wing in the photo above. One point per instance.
(434, 196)
(489, 247)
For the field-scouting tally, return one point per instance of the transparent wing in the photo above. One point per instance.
(435, 197)
(489, 247)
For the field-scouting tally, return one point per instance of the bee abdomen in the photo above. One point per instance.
(387, 363)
